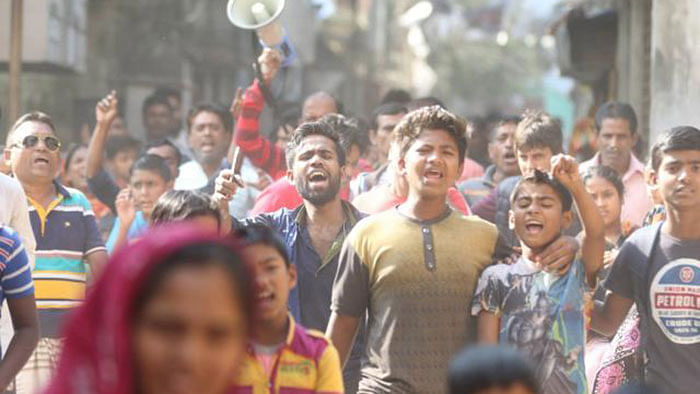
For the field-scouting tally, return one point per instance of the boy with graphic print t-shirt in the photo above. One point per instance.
(658, 270)
(539, 313)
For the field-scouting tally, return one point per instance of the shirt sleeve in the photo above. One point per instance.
(457, 201)
(93, 239)
(105, 189)
(112, 238)
(488, 296)
(17, 275)
(351, 286)
(620, 280)
(330, 376)
(260, 150)
(19, 221)
(486, 207)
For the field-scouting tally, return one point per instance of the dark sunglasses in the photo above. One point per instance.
(52, 143)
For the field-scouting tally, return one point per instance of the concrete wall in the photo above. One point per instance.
(675, 62)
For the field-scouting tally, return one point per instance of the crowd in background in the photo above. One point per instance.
(348, 254)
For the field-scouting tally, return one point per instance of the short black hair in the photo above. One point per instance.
(313, 128)
(165, 142)
(609, 174)
(34, 116)
(435, 117)
(396, 96)
(154, 163)
(168, 91)
(675, 139)
(154, 99)
(538, 130)
(422, 102)
(121, 143)
(504, 120)
(542, 178)
(616, 110)
(391, 108)
(481, 367)
(348, 130)
(223, 114)
(256, 233)
(178, 205)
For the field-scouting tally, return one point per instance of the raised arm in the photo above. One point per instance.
(565, 170)
(260, 150)
(105, 112)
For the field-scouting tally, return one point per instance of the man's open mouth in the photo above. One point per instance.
(317, 176)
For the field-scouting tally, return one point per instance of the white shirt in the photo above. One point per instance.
(193, 177)
(14, 213)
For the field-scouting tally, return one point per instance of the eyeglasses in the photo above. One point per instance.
(52, 143)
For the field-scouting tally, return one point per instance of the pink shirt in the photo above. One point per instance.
(636, 200)
(471, 170)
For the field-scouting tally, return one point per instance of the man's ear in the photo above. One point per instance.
(567, 217)
(635, 139)
(292, 275)
(511, 219)
(491, 151)
(373, 136)
(401, 166)
(653, 178)
(290, 176)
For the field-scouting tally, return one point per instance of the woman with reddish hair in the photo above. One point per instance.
(170, 313)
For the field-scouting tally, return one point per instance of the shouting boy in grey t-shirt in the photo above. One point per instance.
(658, 269)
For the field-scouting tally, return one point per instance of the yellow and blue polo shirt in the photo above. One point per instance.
(65, 233)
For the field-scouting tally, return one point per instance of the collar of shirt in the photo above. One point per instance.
(289, 337)
(351, 217)
(635, 166)
(61, 194)
(488, 175)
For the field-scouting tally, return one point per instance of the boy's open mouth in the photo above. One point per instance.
(265, 296)
(433, 174)
(534, 227)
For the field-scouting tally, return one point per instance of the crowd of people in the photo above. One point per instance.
(347, 255)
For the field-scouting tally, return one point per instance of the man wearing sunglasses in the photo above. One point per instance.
(66, 236)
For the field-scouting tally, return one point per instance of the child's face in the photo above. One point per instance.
(122, 162)
(531, 159)
(147, 187)
(606, 199)
(536, 215)
(678, 179)
(273, 282)
(431, 165)
(168, 154)
(75, 176)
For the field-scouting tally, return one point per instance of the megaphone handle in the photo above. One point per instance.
(264, 89)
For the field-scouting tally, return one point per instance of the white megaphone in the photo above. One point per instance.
(258, 15)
